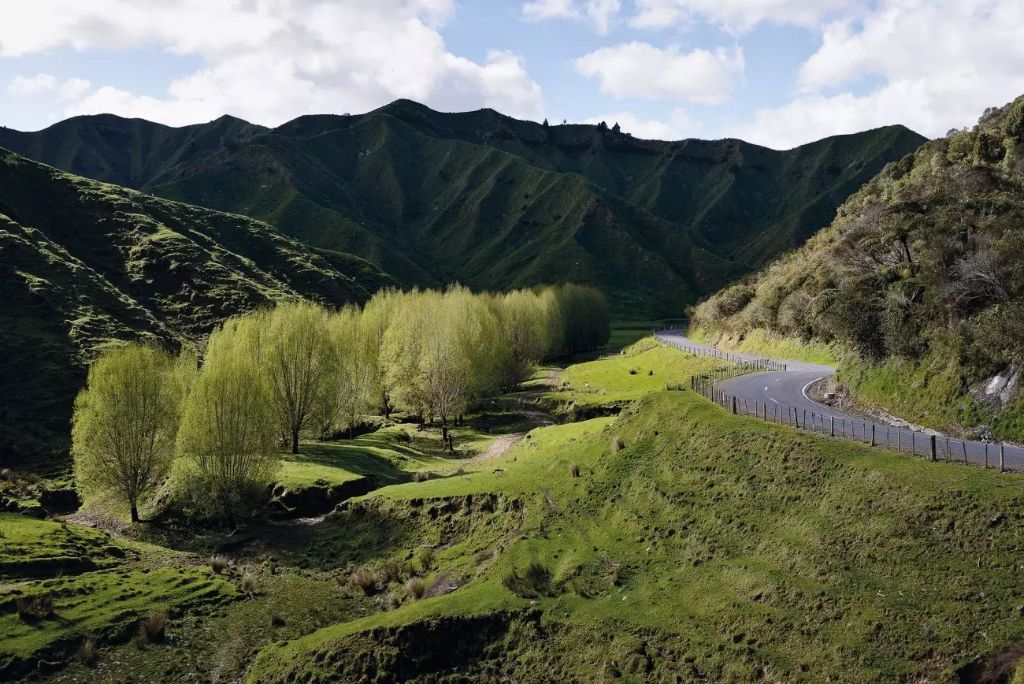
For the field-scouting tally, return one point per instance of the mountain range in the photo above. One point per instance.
(488, 200)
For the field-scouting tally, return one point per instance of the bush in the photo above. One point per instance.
(366, 580)
(34, 607)
(650, 373)
(574, 469)
(389, 571)
(249, 583)
(535, 581)
(423, 476)
(424, 558)
(87, 651)
(152, 629)
(617, 444)
(416, 587)
(633, 371)
(219, 563)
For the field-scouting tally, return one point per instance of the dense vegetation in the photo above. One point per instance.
(489, 201)
(273, 376)
(83, 264)
(920, 275)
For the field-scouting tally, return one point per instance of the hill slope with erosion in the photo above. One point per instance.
(84, 264)
(920, 277)
(491, 201)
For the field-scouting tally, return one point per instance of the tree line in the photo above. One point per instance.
(271, 376)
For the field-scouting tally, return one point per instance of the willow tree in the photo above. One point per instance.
(296, 359)
(349, 377)
(126, 420)
(401, 350)
(228, 432)
(521, 317)
(377, 317)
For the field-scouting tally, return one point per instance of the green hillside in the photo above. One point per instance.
(84, 264)
(491, 201)
(919, 278)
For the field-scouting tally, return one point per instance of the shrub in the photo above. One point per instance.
(389, 571)
(34, 607)
(416, 587)
(424, 558)
(615, 576)
(574, 469)
(276, 620)
(617, 444)
(152, 629)
(366, 580)
(422, 476)
(249, 583)
(633, 371)
(219, 563)
(650, 372)
(535, 581)
(87, 651)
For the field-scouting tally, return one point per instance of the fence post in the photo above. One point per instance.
(1001, 454)
(986, 454)
(933, 447)
(831, 426)
(913, 443)
(899, 440)
(734, 405)
(872, 434)
(963, 444)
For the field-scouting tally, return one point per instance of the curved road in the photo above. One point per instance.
(782, 395)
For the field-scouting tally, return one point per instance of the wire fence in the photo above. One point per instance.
(930, 445)
(760, 364)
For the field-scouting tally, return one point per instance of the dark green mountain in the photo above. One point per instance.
(491, 201)
(920, 278)
(84, 263)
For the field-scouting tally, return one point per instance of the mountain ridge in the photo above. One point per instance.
(431, 197)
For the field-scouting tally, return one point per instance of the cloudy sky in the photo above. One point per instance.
(775, 72)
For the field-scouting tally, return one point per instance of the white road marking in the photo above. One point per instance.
(766, 388)
(804, 390)
(773, 400)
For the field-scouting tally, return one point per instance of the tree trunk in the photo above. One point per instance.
(135, 511)
(295, 441)
(444, 434)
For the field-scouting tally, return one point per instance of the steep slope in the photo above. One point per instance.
(491, 201)
(84, 263)
(920, 276)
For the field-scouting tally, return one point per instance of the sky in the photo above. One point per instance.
(778, 73)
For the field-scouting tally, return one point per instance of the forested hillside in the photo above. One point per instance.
(491, 201)
(920, 276)
(83, 263)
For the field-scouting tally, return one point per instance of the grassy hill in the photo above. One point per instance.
(491, 201)
(84, 264)
(919, 279)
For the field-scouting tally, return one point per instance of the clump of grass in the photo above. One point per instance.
(633, 371)
(366, 580)
(152, 629)
(617, 444)
(615, 576)
(423, 476)
(249, 583)
(34, 607)
(423, 559)
(650, 372)
(389, 571)
(535, 581)
(416, 587)
(574, 469)
(276, 620)
(219, 563)
(87, 652)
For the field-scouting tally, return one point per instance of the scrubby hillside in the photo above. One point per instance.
(84, 263)
(920, 276)
(491, 201)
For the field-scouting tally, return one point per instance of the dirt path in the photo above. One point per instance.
(498, 447)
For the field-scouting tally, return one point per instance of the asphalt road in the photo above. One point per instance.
(782, 397)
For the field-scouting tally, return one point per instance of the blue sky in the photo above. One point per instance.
(775, 72)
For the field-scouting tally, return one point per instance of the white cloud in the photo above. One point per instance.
(940, 65)
(680, 125)
(271, 61)
(643, 70)
(32, 85)
(598, 13)
(736, 16)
